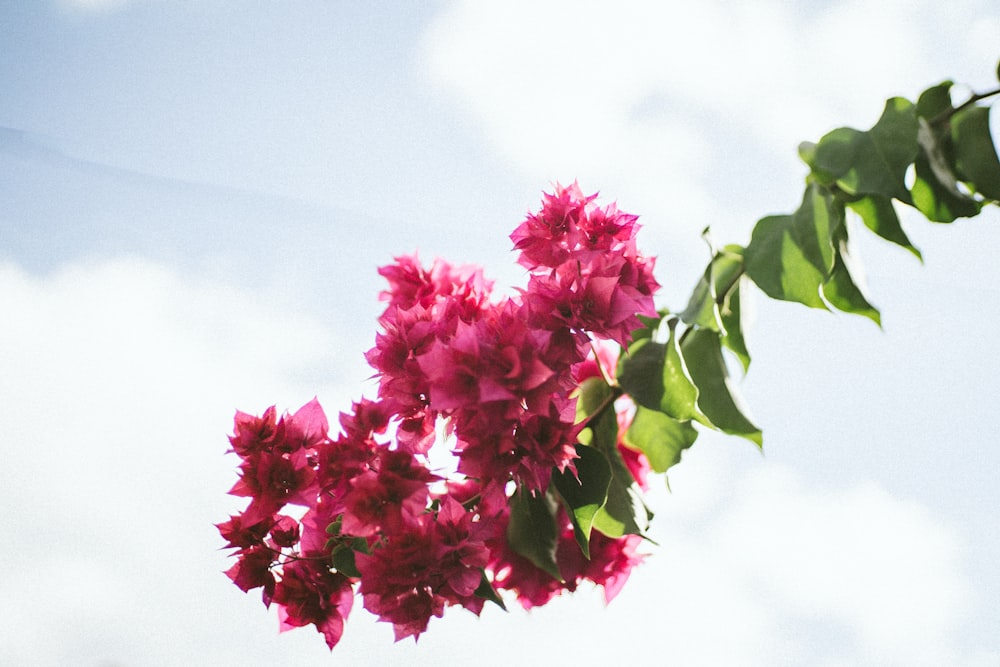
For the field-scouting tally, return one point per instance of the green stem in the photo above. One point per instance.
(946, 115)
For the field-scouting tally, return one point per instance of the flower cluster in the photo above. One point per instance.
(494, 379)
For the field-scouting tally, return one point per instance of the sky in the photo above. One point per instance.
(194, 200)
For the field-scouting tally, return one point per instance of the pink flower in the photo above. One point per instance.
(285, 532)
(463, 289)
(460, 552)
(395, 581)
(611, 562)
(241, 536)
(253, 570)
(387, 499)
(603, 297)
(307, 428)
(272, 480)
(309, 593)
(255, 434)
(499, 379)
(547, 238)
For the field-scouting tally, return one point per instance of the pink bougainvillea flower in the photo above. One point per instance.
(307, 428)
(253, 570)
(285, 531)
(611, 562)
(273, 480)
(387, 499)
(395, 581)
(253, 434)
(309, 594)
(546, 239)
(496, 380)
(239, 535)
(460, 553)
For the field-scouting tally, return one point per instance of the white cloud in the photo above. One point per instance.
(682, 109)
(882, 571)
(119, 384)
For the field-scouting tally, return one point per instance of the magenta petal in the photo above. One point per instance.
(308, 425)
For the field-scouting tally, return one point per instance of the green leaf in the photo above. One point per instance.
(720, 275)
(732, 323)
(869, 162)
(623, 511)
(594, 394)
(488, 593)
(842, 291)
(532, 530)
(935, 101)
(935, 189)
(718, 399)
(680, 394)
(659, 437)
(879, 215)
(776, 263)
(343, 561)
(975, 155)
(936, 201)
(814, 224)
(640, 373)
(790, 256)
(584, 493)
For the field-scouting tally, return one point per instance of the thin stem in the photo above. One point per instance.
(600, 367)
(946, 115)
(290, 557)
(608, 400)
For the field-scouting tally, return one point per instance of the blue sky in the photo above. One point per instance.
(194, 199)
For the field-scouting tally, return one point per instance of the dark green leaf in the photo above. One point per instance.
(488, 593)
(343, 561)
(532, 530)
(640, 373)
(879, 215)
(975, 156)
(584, 493)
(935, 101)
(659, 437)
(718, 399)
